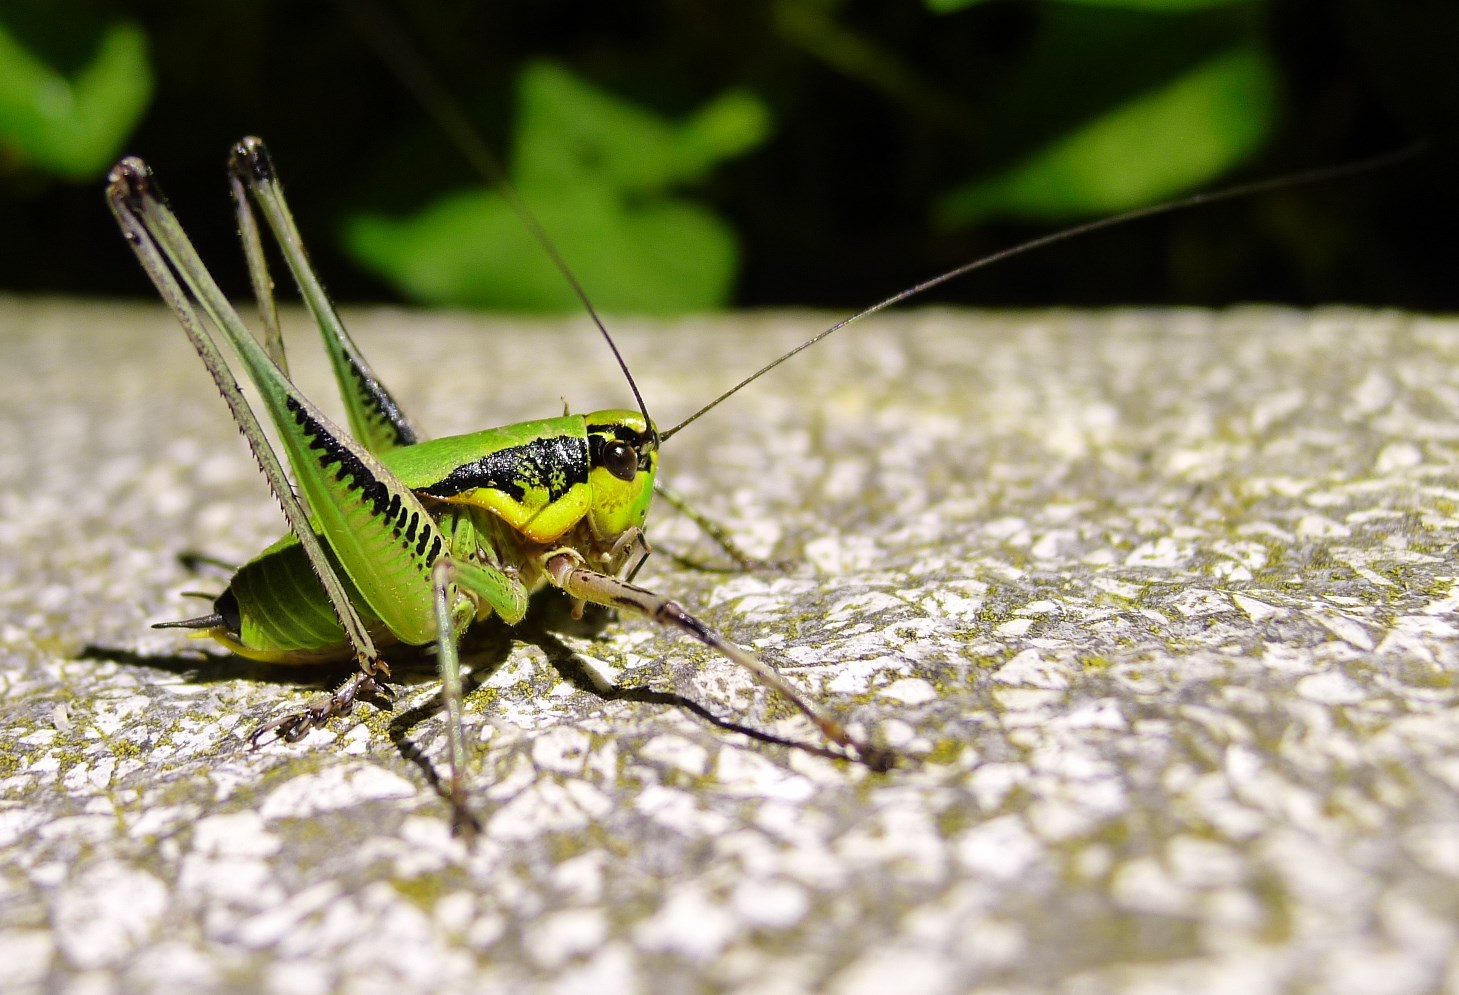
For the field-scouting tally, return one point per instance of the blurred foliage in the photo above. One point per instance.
(685, 155)
(71, 125)
(602, 173)
(1175, 138)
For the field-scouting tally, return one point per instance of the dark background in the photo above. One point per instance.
(878, 109)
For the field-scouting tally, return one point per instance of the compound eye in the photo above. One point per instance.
(621, 460)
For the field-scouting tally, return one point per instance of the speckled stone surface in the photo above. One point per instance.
(1163, 603)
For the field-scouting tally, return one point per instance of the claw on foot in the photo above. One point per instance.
(464, 825)
(879, 758)
(294, 727)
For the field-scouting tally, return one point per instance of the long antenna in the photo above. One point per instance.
(1210, 197)
(380, 29)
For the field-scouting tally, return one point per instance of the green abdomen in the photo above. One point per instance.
(280, 613)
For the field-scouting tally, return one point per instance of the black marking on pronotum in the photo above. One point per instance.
(383, 504)
(557, 463)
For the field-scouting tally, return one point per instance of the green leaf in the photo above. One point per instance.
(73, 127)
(471, 250)
(1176, 138)
(599, 174)
(568, 129)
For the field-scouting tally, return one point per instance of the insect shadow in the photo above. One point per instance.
(549, 618)
(485, 649)
(213, 668)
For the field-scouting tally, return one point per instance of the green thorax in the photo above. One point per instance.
(543, 477)
(539, 479)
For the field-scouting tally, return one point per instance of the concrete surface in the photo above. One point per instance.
(1163, 602)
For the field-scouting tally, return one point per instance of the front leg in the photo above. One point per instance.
(566, 571)
(507, 596)
(742, 561)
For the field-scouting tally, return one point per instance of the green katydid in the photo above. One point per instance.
(399, 540)
(402, 541)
